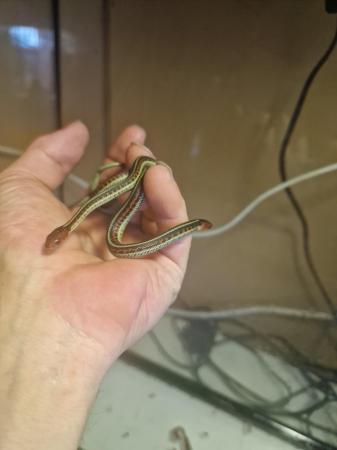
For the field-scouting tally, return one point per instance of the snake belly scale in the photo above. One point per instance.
(110, 190)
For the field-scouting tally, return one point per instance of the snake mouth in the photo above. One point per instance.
(56, 237)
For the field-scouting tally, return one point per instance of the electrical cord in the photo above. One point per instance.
(319, 390)
(166, 353)
(252, 311)
(264, 196)
(283, 172)
(15, 153)
(193, 346)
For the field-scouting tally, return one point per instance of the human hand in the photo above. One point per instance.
(65, 316)
(111, 301)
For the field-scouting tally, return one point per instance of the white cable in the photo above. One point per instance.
(10, 151)
(13, 152)
(79, 181)
(251, 311)
(274, 190)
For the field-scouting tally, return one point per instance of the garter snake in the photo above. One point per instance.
(110, 190)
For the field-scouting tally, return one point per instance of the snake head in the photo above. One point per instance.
(56, 237)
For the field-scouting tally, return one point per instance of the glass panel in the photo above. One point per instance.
(27, 106)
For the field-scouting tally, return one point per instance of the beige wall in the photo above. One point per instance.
(214, 84)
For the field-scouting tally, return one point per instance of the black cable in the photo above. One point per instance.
(283, 173)
(282, 408)
(314, 381)
(256, 416)
(166, 354)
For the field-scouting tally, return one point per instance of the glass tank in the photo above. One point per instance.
(239, 98)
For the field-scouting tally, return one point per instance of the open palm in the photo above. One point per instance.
(113, 301)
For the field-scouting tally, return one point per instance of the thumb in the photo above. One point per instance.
(52, 156)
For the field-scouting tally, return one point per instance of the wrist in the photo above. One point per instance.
(49, 377)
